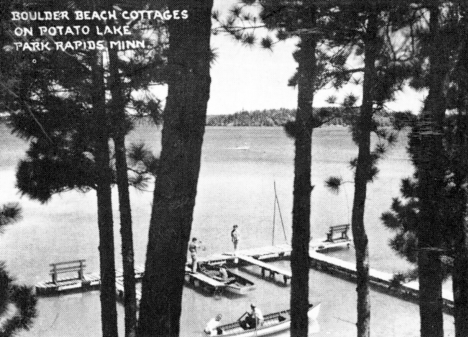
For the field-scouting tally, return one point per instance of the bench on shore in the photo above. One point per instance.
(67, 267)
(339, 232)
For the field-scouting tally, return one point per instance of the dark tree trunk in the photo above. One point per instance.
(460, 290)
(120, 130)
(363, 171)
(177, 177)
(302, 187)
(104, 203)
(460, 270)
(431, 185)
(460, 242)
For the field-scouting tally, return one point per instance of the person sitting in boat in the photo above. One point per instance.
(254, 319)
(223, 274)
(212, 327)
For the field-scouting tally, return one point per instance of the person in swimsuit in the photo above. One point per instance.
(193, 249)
(235, 236)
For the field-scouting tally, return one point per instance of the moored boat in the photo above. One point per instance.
(233, 283)
(273, 323)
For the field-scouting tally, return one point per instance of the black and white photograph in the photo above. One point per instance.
(242, 168)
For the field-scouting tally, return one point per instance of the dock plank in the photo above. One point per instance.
(265, 266)
(332, 261)
(203, 278)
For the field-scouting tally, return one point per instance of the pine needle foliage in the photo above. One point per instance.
(334, 184)
(17, 302)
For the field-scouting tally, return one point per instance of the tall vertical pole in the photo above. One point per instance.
(274, 216)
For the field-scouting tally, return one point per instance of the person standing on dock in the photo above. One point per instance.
(235, 236)
(193, 249)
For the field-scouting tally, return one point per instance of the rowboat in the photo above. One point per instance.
(273, 324)
(234, 283)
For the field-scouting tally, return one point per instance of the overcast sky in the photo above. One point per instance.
(251, 78)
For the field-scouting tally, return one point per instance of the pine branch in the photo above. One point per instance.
(334, 184)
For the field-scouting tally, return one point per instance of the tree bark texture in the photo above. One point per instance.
(302, 188)
(104, 203)
(460, 270)
(363, 170)
(431, 184)
(460, 242)
(177, 177)
(126, 232)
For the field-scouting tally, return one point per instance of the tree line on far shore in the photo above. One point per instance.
(281, 116)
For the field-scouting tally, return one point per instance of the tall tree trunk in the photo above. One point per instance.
(177, 178)
(302, 186)
(362, 175)
(460, 247)
(126, 232)
(104, 203)
(460, 270)
(431, 185)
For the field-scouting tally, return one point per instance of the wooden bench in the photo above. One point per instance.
(341, 230)
(77, 266)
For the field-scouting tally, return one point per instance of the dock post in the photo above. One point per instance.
(54, 274)
(81, 271)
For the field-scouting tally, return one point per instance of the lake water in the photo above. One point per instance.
(239, 169)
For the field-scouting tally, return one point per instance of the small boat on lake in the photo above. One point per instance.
(233, 282)
(273, 323)
(242, 147)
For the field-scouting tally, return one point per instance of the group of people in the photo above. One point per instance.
(196, 244)
(253, 320)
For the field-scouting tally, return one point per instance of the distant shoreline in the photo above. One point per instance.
(279, 117)
(337, 127)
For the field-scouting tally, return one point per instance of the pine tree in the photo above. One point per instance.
(70, 128)
(365, 29)
(438, 151)
(291, 19)
(131, 72)
(17, 302)
(184, 118)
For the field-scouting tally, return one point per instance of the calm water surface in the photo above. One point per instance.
(235, 187)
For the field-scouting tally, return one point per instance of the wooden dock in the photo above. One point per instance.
(332, 265)
(120, 291)
(254, 256)
(379, 279)
(200, 280)
(80, 282)
(89, 282)
(272, 269)
(324, 246)
(265, 253)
